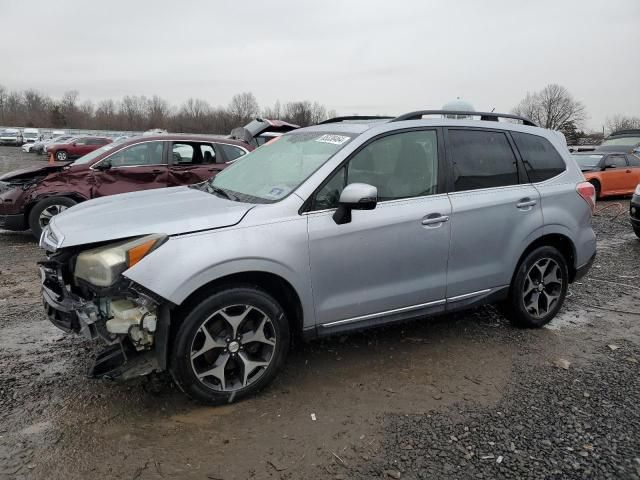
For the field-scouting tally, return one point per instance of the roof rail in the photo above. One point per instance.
(354, 117)
(488, 116)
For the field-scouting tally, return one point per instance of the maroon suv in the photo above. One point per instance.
(30, 197)
(76, 147)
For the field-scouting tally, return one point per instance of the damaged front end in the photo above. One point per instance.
(84, 292)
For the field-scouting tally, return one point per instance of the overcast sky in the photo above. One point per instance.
(367, 57)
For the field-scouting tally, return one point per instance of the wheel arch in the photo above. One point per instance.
(275, 285)
(561, 242)
(34, 201)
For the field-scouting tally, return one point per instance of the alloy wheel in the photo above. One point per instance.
(50, 212)
(542, 287)
(233, 348)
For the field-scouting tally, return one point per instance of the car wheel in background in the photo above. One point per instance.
(43, 211)
(61, 156)
(596, 185)
(538, 288)
(230, 345)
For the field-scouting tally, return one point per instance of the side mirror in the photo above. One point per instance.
(102, 166)
(355, 196)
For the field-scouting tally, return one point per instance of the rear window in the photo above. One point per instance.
(540, 158)
(482, 159)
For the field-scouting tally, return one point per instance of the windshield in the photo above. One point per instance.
(89, 157)
(587, 161)
(622, 141)
(274, 170)
(30, 134)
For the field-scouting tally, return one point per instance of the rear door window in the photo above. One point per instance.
(542, 161)
(617, 161)
(481, 159)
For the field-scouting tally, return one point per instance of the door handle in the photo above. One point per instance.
(156, 171)
(526, 204)
(435, 219)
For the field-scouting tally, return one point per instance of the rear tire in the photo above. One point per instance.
(538, 288)
(596, 185)
(43, 211)
(230, 345)
(62, 156)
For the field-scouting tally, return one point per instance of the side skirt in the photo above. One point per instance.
(432, 309)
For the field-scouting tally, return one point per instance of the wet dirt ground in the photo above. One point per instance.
(462, 396)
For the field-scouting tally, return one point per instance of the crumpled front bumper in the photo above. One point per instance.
(65, 310)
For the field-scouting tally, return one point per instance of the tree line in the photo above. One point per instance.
(31, 108)
(555, 108)
(552, 107)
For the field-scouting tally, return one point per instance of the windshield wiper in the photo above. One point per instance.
(221, 192)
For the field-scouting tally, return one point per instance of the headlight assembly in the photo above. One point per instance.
(101, 266)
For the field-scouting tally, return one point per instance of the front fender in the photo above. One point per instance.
(186, 263)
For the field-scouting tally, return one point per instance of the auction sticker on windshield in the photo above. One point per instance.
(335, 139)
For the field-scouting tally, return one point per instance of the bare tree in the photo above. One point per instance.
(272, 112)
(133, 111)
(158, 111)
(621, 122)
(106, 114)
(243, 107)
(552, 107)
(36, 108)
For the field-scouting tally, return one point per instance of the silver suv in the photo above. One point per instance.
(339, 226)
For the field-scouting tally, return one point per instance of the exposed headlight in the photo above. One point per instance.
(101, 266)
(637, 192)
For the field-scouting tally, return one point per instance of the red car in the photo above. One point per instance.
(30, 197)
(76, 147)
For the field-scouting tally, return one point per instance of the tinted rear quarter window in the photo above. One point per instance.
(541, 159)
(633, 160)
(481, 159)
(232, 152)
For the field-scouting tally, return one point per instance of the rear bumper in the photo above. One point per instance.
(582, 270)
(13, 222)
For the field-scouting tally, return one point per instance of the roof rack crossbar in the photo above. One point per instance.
(354, 117)
(488, 116)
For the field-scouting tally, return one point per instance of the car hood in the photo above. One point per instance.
(165, 210)
(34, 171)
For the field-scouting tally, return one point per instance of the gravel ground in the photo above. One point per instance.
(461, 396)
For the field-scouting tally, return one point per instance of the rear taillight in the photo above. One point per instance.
(588, 192)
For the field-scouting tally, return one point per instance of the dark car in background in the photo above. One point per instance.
(626, 141)
(30, 197)
(77, 148)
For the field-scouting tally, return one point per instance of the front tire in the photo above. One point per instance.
(42, 213)
(61, 156)
(538, 288)
(230, 345)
